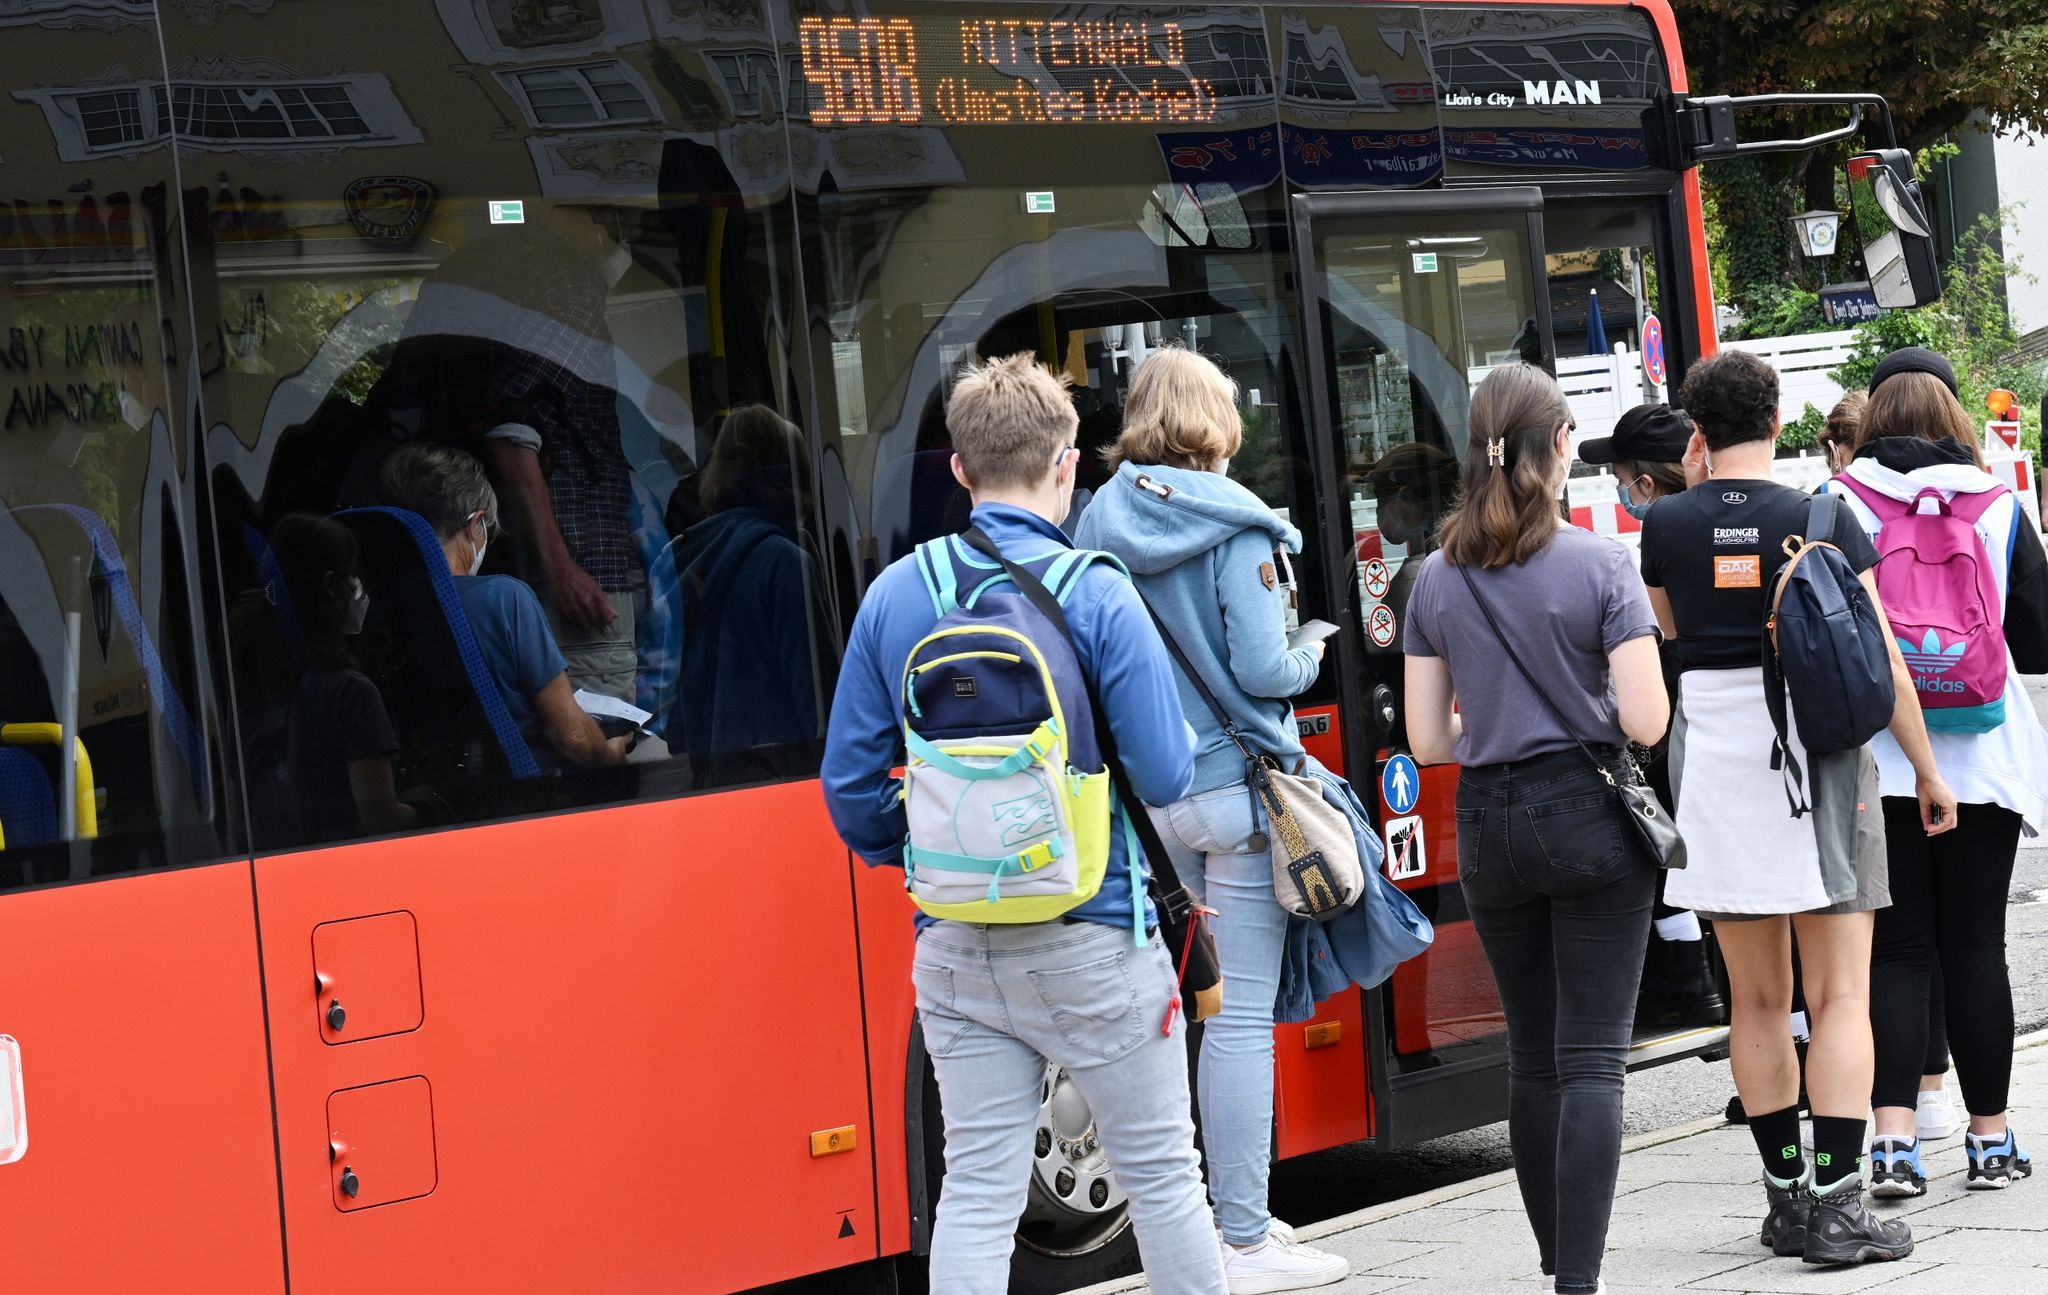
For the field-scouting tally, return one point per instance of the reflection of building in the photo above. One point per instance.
(1994, 172)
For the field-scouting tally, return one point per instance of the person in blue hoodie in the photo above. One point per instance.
(998, 1002)
(1212, 561)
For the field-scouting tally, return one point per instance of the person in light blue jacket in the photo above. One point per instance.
(1212, 561)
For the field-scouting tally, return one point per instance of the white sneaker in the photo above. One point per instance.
(1281, 1264)
(1936, 1116)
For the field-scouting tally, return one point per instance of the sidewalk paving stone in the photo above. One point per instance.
(1686, 1215)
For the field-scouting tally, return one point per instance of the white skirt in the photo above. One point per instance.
(1746, 853)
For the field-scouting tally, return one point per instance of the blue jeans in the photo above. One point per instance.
(997, 1003)
(1560, 891)
(1209, 837)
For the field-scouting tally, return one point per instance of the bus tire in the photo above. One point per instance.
(1062, 1242)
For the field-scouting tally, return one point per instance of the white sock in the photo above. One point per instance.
(1680, 927)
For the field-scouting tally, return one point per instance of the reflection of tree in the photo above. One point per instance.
(1259, 465)
(305, 317)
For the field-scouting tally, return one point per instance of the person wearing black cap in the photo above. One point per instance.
(1646, 453)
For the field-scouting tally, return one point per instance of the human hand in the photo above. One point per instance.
(1937, 804)
(579, 599)
(616, 747)
(1315, 651)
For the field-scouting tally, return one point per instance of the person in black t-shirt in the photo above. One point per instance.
(1710, 557)
(340, 741)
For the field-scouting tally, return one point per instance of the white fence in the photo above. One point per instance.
(1603, 387)
(1803, 365)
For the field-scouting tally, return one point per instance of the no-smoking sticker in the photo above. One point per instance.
(1377, 578)
(1379, 623)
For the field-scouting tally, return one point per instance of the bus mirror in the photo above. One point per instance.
(1898, 242)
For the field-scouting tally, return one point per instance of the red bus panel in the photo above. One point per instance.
(633, 1020)
(149, 1164)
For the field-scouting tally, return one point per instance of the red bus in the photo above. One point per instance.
(324, 964)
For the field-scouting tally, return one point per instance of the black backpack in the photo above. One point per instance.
(1824, 647)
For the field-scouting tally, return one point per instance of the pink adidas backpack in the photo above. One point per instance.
(1940, 593)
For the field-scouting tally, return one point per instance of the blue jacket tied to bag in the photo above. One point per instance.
(1360, 946)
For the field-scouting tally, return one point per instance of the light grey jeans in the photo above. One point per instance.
(997, 1003)
(1209, 835)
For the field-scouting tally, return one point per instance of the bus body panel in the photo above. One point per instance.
(888, 937)
(150, 1162)
(634, 1020)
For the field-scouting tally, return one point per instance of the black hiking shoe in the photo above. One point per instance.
(1785, 1226)
(1842, 1230)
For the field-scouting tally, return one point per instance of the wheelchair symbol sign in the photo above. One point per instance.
(1401, 784)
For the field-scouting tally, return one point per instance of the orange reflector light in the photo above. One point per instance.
(1999, 401)
(1326, 1035)
(830, 1142)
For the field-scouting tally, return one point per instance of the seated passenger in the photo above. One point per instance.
(339, 740)
(448, 488)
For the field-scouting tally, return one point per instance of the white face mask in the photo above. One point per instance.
(616, 262)
(358, 607)
(476, 559)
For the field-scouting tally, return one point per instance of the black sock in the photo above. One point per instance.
(1777, 1141)
(1837, 1151)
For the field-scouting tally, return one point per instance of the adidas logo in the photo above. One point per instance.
(1930, 657)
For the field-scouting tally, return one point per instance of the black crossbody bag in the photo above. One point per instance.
(1638, 804)
(1181, 917)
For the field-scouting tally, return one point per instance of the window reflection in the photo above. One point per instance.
(524, 380)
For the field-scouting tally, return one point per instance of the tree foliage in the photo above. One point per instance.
(1935, 61)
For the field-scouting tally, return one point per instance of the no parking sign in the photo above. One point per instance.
(1653, 350)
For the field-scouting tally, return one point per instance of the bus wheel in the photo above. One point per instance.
(1076, 1226)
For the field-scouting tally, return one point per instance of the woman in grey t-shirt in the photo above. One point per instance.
(1558, 888)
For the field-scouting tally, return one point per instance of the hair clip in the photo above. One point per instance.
(1497, 453)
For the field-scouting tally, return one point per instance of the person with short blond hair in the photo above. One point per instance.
(1209, 557)
(1009, 418)
(1086, 993)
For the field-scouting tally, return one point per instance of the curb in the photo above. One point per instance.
(1473, 1187)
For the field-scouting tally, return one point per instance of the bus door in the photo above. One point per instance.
(1409, 300)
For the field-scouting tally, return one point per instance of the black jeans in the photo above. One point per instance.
(1946, 927)
(1560, 891)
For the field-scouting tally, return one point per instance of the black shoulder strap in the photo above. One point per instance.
(1039, 596)
(1541, 695)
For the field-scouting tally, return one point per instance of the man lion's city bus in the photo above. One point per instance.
(323, 965)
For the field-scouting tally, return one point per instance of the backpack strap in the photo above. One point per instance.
(940, 580)
(1883, 505)
(1972, 505)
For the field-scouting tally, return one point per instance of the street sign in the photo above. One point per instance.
(508, 211)
(1653, 350)
(1377, 579)
(1401, 784)
(1379, 623)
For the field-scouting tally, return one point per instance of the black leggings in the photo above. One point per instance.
(1947, 913)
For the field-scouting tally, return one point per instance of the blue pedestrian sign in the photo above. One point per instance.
(1400, 784)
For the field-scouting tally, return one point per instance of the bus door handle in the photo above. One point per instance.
(1383, 707)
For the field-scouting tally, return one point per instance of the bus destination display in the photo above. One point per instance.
(983, 71)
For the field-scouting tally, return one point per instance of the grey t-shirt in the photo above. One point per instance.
(1564, 610)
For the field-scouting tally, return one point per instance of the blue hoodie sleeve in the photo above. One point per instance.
(1135, 680)
(863, 743)
(1255, 621)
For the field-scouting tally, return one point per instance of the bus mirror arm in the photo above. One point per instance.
(1706, 125)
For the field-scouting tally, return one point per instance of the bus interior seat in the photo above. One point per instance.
(28, 803)
(416, 643)
(108, 566)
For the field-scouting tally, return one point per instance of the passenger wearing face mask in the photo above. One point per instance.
(448, 488)
(1646, 453)
(340, 742)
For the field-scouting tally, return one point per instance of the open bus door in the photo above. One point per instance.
(1409, 300)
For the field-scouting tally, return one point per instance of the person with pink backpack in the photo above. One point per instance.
(1964, 580)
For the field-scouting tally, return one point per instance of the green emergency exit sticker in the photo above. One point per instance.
(508, 211)
(1038, 204)
(1425, 262)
